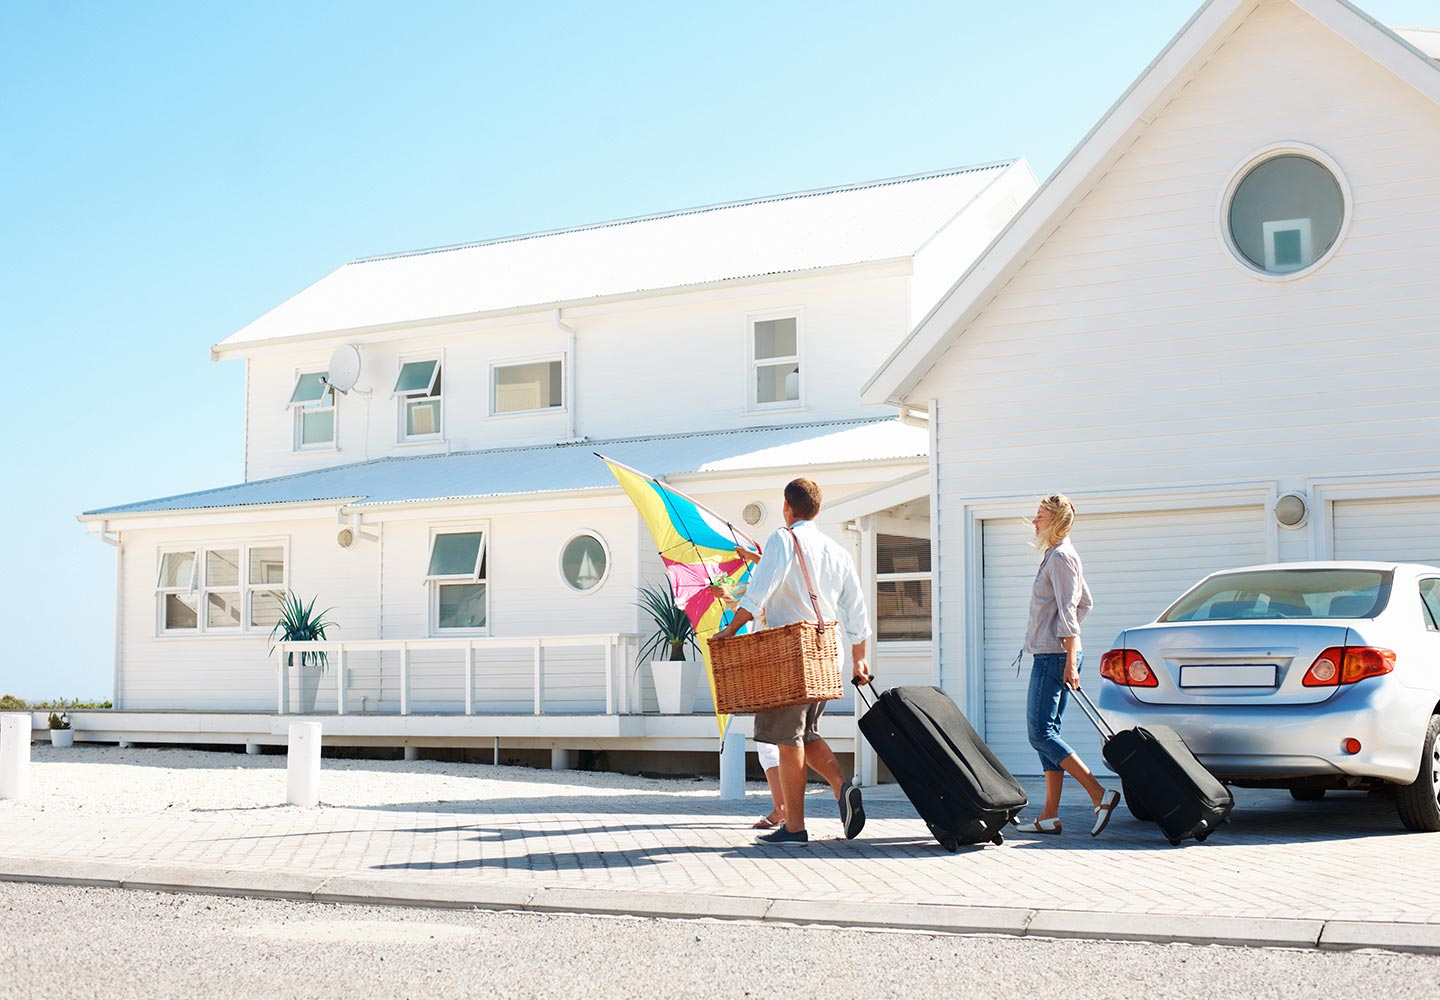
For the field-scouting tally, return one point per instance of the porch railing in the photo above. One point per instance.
(620, 653)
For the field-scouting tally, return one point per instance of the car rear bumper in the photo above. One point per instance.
(1281, 741)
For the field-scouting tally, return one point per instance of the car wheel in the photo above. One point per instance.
(1307, 794)
(1418, 803)
(1133, 804)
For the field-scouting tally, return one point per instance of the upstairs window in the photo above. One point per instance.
(418, 389)
(1285, 212)
(775, 362)
(314, 404)
(536, 385)
(231, 589)
(902, 589)
(457, 579)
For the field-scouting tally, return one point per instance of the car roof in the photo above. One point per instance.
(1416, 568)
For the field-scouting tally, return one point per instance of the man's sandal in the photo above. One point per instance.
(1051, 825)
(1107, 805)
(764, 823)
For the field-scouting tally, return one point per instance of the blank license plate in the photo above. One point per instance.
(1229, 675)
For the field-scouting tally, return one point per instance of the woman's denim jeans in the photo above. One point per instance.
(1045, 706)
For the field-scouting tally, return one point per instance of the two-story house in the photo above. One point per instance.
(420, 431)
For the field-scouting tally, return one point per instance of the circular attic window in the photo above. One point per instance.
(1286, 212)
(584, 562)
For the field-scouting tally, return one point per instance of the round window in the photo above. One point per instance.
(583, 562)
(1285, 214)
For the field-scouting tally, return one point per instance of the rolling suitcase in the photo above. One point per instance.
(1163, 780)
(956, 784)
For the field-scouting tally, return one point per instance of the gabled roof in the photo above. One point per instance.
(858, 223)
(1104, 145)
(553, 468)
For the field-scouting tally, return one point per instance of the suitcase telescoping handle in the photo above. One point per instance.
(1092, 712)
(870, 699)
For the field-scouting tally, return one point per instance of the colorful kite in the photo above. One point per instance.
(698, 547)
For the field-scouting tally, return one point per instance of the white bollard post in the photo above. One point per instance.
(303, 764)
(15, 755)
(732, 767)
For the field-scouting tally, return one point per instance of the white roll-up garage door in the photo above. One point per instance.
(1406, 530)
(1136, 565)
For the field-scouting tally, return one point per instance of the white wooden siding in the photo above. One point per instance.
(1131, 352)
(234, 673)
(669, 365)
(1405, 530)
(1136, 565)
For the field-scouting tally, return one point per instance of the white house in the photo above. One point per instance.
(1215, 327)
(481, 563)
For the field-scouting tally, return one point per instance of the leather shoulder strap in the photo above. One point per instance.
(809, 586)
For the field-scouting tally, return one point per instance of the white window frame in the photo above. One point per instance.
(539, 359)
(404, 400)
(198, 586)
(753, 364)
(560, 561)
(303, 407)
(1242, 170)
(903, 578)
(434, 583)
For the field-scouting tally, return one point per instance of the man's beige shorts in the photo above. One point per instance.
(792, 727)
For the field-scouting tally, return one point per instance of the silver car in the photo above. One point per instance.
(1306, 676)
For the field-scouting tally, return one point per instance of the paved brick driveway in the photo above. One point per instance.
(1345, 858)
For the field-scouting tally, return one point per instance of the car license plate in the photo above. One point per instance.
(1228, 675)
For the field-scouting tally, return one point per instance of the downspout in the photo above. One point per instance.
(570, 402)
(119, 601)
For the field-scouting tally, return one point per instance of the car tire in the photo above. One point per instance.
(1418, 803)
(1133, 804)
(1307, 794)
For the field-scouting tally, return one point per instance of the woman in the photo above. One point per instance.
(1059, 602)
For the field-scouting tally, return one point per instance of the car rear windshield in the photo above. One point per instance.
(1284, 593)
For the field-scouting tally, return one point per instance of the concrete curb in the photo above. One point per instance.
(935, 918)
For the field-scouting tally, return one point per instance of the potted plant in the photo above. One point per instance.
(676, 678)
(61, 735)
(299, 623)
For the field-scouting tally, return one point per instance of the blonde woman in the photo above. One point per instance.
(1059, 602)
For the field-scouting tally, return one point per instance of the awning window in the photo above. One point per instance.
(309, 388)
(417, 378)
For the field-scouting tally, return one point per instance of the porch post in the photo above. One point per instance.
(539, 678)
(15, 755)
(469, 678)
(404, 678)
(610, 674)
(340, 681)
(282, 679)
(866, 769)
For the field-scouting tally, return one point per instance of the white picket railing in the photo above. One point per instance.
(619, 652)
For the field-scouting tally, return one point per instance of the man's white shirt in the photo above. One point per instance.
(778, 586)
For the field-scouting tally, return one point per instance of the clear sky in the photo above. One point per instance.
(171, 170)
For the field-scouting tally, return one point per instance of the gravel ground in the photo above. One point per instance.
(105, 780)
(58, 941)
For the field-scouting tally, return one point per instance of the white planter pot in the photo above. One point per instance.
(308, 684)
(676, 682)
(62, 737)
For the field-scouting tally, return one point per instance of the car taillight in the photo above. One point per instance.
(1127, 667)
(1348, 664)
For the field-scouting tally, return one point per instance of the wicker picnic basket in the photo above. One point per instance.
(778, 667)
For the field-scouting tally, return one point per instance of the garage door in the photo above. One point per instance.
(1403, 530)
(1136, 564)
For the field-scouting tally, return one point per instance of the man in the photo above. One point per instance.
(777, 585)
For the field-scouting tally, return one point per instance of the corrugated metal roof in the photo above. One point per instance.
(550, 468)
(881, 220)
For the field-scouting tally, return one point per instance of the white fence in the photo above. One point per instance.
(608, 666)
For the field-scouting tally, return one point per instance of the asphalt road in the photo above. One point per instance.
(60, 941)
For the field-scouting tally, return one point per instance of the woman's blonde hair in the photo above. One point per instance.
(1062, 512)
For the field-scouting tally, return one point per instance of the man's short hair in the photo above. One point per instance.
(803, 496)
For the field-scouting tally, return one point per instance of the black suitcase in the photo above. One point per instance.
(962, 792)
(1163, 779)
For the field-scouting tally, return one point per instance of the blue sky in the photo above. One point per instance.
(171, 170)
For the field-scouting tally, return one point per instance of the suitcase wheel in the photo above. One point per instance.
(998, 839)
(950, 845)
(1201, 837)
(1174, 841)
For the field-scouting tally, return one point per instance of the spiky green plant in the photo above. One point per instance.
(299, 623)
(672, 626)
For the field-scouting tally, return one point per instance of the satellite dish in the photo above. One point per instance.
(344, 368)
